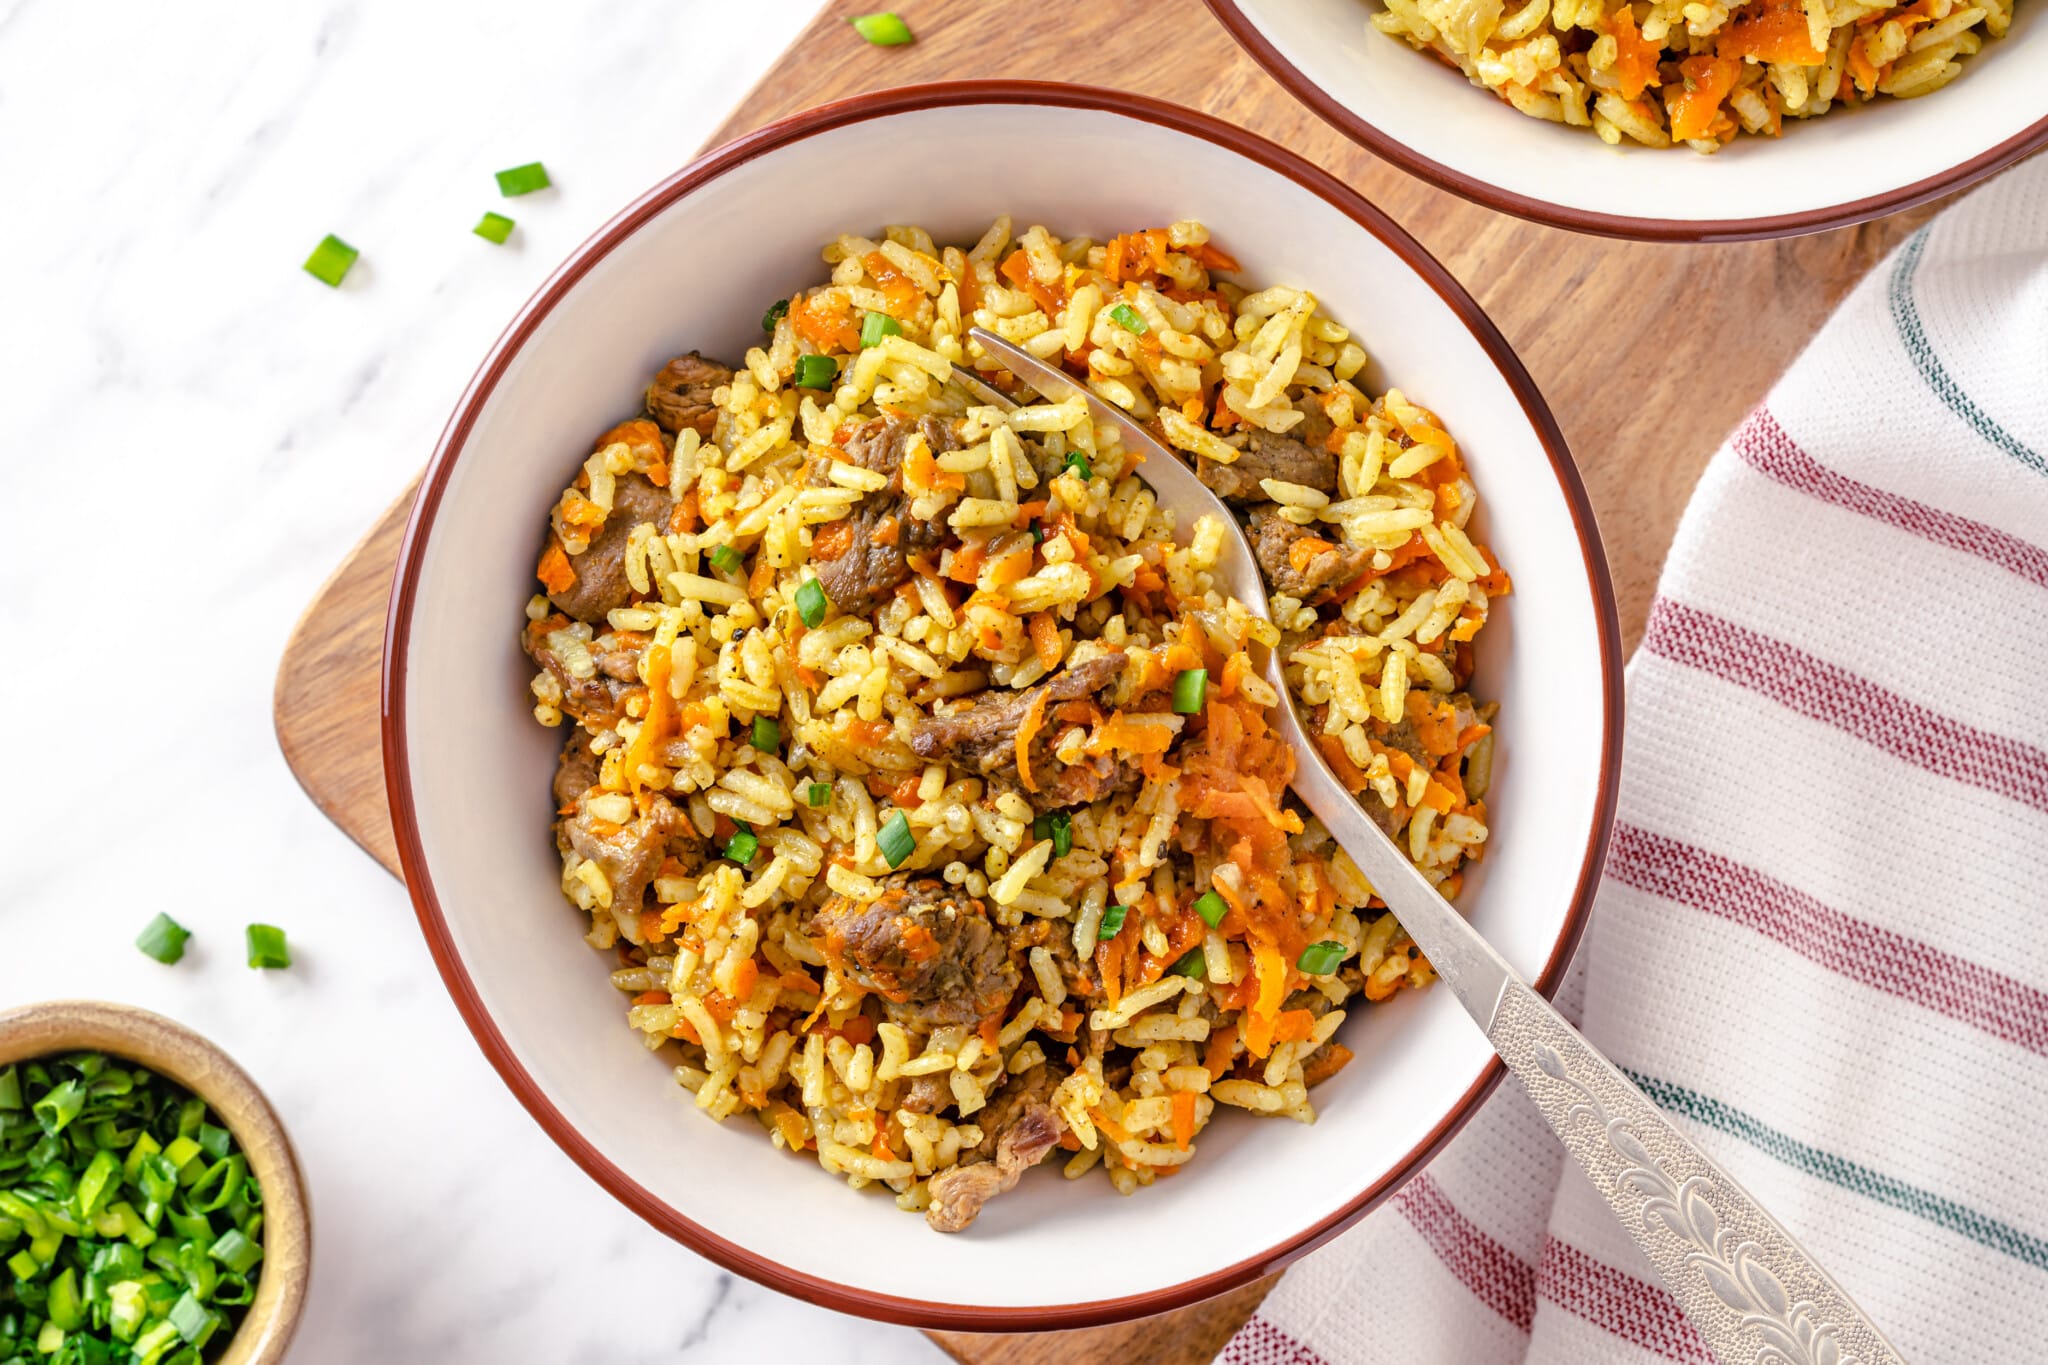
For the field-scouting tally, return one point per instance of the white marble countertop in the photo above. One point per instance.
(166, 170)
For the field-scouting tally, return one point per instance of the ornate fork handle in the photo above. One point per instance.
(1753, 1294)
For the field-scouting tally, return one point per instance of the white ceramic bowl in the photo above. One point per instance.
(691, 265)
(1845, 167)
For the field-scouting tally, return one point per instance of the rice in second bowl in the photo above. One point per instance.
(921, 780)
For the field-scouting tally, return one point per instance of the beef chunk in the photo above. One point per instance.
(630, 854)
(926, 1094)
(1317, 575)
(980, 738)
(1016, 1139)
(681, 395)
(876, 558)
(595, 702)
(576, 771)
(1019, 1095)
(928, 949)
(601, 570)
(1267, 456)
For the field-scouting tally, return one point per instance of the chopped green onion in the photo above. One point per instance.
(777, 311)
(883, 30)
(811, 602)
(523, 179)
(267, 949)
(1211, 908)
(895, 840)
(767, 735)
(93, 1280)
(1126, 317)
(725, 559)
(1112, 922)
(1062, 834)
(875, 326)
(1320, 959)
(494, 227)
(164, 939)
(1078, 462)
(235, 1251)
(194, 1321)
(59, 1106)
(819, 793)
(330, 260)
(1037, 534)
(816, 371)
(1188, 691)
(1194, 963)
(743, 845)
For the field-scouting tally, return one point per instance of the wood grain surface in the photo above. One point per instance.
(1648, 354)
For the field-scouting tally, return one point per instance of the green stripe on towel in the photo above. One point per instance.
(1906, 316)
(1849, 1175)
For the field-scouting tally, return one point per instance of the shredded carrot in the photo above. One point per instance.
(1262, 1018)
(966, 562)
(744, 978)
(1696, 105)
(868, 733)
(898, 288)
(1070, 1141)
(1017, 270)
(1216, 1058)
(825, 329)
(1435, 722)
(1293, 1026)
(1213, 257)
(1045, 639)
(1325, 1062)
(686, 1031)
(1635, 58)
(761, 577)
(651, 927)
(1109, 959)
(1303, 552)
(832, 541)
(880, 1146)
(1774, 31)
(1109, 1126)
(556, 573)
(1183, 1119)
(1034, 720)
(651, 998)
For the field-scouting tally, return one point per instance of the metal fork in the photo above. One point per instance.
(1755, 1296)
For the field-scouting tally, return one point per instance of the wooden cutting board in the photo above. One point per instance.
(1648, 354)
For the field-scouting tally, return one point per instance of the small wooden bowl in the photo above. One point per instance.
(172, 1050)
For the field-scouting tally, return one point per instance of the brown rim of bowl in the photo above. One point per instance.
(203, 1067)
(1340, 116)
(795, 128)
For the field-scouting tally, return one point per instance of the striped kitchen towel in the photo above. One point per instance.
(1822, 942)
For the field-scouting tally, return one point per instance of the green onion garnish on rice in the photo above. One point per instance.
(140, 1225)
(1211, 907)
(494, 227)
(1037, 534)
(1126, 317)
(164, 939)
(816, 371)
(777, 311)
(819, 794)
(331, 260)
(883, 30)
(1112, 923)
(743, 845)
(1320, 959)
(1078, 462)
(725, 559)
(895, 839)
(811, 602)
(267, 946)
(1062, 830)
(1194, 963)
(1188, 690)
(875, 326)
(523, 179)
(767, 736)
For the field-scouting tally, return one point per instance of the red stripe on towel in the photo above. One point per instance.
(1259, 1342)
(1764, 446)
(1878, 958)
(1500, 1279)
(1618, 1303)
(1854, 705)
